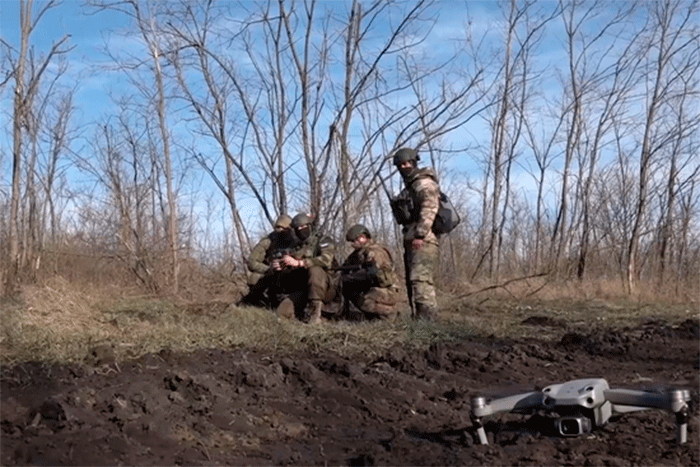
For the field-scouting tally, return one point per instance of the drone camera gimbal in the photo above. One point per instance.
(580, 405)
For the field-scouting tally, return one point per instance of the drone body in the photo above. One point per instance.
(583, 404)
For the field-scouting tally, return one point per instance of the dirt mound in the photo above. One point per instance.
(241, 407)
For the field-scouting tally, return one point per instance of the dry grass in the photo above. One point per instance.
(63, 322)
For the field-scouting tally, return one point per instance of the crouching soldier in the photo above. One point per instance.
(368, 280)
(263, 263)
(309, 281)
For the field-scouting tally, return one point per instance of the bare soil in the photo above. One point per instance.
(406, 407)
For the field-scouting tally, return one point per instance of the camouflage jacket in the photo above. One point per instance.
(424, 191)
(374, 255)
(317, 250)
(260, 257)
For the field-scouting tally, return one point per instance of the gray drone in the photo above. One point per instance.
(580, 405)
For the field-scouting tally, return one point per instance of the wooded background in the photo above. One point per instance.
(287, 107)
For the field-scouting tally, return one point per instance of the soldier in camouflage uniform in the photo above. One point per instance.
(421, 199)
(367, 276)
(263, 263)
(309, 281)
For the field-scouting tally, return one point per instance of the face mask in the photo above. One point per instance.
(303, 232)
(406, 171)
(286, 235)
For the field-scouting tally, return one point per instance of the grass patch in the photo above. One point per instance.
(62, 323)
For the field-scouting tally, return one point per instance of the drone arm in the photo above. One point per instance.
(676, 401)
(519, 402)
(640, 400)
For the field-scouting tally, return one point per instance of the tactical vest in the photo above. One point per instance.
(406, 208)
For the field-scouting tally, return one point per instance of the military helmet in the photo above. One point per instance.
(300, 220)
(356, 231)
(405, 154)
(283, 221)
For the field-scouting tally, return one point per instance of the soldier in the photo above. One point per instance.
(309, 281)
(418, 205)
(367, 276)
(263, 263)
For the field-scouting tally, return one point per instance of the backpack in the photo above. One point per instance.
(446, 220)
(447, 217)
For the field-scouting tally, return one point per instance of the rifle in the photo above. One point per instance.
(358, 273)
(348, 268)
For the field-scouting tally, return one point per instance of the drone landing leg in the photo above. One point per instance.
(480, 431)
(682, 425)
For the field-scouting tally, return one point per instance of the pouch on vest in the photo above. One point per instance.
(446, 220)
(402, 208)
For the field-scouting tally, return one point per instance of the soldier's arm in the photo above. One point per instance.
(326, 256)
(428, 194)
(384, 267)
(256, 260)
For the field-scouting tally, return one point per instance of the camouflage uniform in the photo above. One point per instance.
(422, 264)
(262, 278)
(372, 288)
(314, 281)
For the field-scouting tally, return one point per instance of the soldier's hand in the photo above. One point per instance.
(276, 265)
(417, 243)
(292, 261)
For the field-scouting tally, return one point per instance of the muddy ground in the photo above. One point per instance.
(243, 407)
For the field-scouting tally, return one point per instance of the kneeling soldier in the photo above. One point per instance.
(368, 279)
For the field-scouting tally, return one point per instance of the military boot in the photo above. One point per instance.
(425, 312)
(286, 308)
(314, 312)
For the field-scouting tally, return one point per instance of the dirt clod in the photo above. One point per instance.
(243, 407)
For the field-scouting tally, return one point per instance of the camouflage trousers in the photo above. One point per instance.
(375, 302)
(303, 286)
(421, 270)
(253, 279)
(300, 285)
(321, 285)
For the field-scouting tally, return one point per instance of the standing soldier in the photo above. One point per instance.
(263, 262)
(415, 209)
(309, 281)
(368, 279)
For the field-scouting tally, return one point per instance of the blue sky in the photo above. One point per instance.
(89, 33)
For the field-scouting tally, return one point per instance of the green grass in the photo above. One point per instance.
(59, 323)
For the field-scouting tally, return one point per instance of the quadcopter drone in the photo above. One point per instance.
(580, 405)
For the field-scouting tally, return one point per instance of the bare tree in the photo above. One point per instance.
(58, 133)
(145, 15)
(217, 76)
(672, 45)
(27, 74)
(683, 170)
(124, 174)
(597, 87)
(524, 27)
(285, 108)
